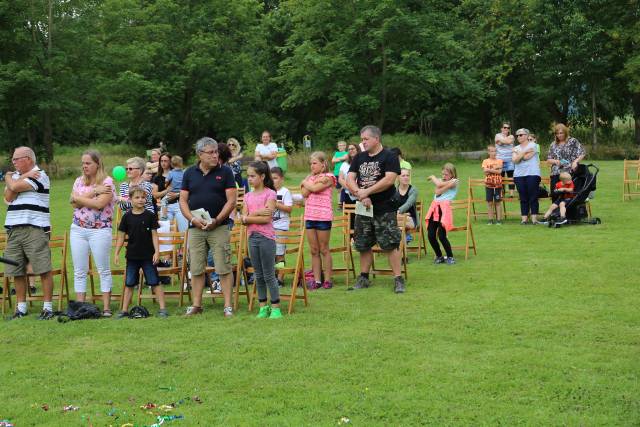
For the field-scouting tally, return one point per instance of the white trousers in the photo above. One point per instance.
(98, 243)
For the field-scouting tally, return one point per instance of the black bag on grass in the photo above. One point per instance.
(79, 310)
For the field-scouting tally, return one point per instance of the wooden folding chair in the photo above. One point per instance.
(343, 222)
(59, 247)
(419, 230)
(97, 296)
(477, 194)
(174, 242)
(463, 208)
(6, 294)
(240, 199)
(402, 223)
(294, 241)
(630, 179)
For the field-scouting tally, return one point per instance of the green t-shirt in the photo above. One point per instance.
(336, 168)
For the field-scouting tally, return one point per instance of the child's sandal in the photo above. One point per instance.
(107, 313)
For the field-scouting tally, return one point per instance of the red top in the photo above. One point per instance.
(568, 185)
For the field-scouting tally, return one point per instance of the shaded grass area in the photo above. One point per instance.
(541, 327)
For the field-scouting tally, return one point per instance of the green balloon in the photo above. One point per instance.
(119, 173)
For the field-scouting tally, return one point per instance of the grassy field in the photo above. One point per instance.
(540, 328)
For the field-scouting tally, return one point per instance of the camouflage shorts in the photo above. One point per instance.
(382, 229)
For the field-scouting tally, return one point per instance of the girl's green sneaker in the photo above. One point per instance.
(264, 312)
(275, 313)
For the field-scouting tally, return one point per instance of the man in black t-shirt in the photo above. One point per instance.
(371, 180)
(210, 186)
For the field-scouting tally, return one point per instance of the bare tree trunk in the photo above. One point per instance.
(594, 119)
(383, 94)
(47, 131)
(512, 115)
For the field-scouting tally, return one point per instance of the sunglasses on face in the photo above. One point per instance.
(506, 127)
(133, 169)
(522, 134)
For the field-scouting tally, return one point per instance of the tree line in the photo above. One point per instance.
(141, 71)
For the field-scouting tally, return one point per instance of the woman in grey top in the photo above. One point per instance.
(526, 175)
(504, 151)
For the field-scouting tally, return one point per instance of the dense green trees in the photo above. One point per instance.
(76, 71)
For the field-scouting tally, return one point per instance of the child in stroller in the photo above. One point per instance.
(564, 192)
(576, 208)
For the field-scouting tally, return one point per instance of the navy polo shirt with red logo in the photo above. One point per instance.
(208, 191)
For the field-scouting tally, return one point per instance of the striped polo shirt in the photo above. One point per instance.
(31, 207)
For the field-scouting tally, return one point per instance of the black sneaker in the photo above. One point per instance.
(399, 285)
(280, 283)
(18, 315)
(362, 283)
(438, 260)
(45, 315)
(563, 220)
(122, 315)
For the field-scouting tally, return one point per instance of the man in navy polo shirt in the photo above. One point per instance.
(210, 186)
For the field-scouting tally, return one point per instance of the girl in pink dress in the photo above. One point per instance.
(317, 189)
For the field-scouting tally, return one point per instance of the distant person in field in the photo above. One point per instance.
(492, 169)
(371, 179)
(28, 226)
(526, 157)
(338, 159)
(504, 151)
(92, 198)
(267, 150)
(154, 159)
(439, 218)
(565, 154)
(403, 163)
(174, 183)
(235, 162)
(345, 194)
(564, 192)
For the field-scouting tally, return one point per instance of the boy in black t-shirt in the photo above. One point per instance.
(143, 251)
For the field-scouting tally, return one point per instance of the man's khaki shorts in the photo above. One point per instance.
(27, 244)
(201, 241)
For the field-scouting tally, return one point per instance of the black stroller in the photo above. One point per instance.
(584, 181)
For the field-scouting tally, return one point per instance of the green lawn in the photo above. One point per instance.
(540, 328)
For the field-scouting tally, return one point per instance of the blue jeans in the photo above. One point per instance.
(173, 211)
(262, 251)
(528, 187)
(148, 269)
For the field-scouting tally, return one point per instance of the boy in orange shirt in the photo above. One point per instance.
(492, 168)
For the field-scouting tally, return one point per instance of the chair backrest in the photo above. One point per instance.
(240, 199)
(348, 208)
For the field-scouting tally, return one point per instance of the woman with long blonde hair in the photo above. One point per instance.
(92, 198)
